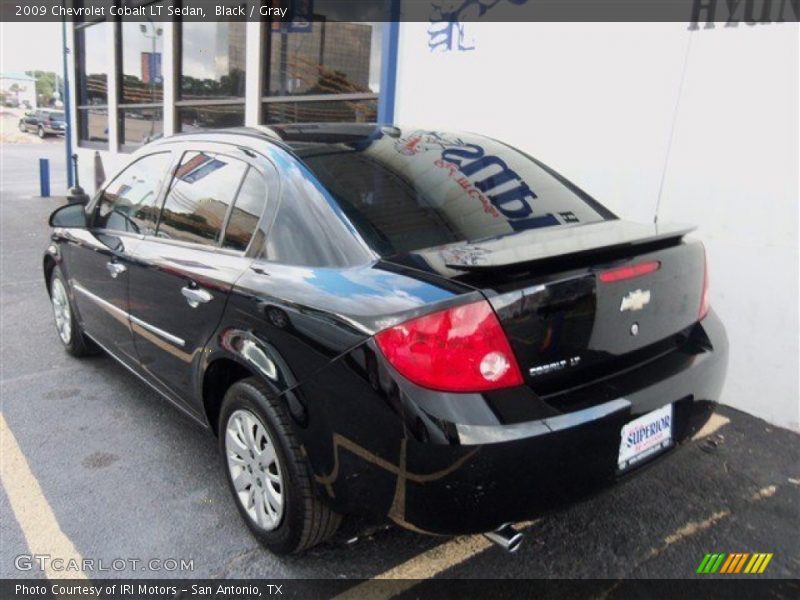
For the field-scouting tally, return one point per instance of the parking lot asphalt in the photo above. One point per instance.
(115, 472)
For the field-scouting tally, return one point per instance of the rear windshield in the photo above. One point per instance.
(424, 189)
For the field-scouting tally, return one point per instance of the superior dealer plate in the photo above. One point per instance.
(645, 436)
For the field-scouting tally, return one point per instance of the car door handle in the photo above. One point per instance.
(115, 268)
(195, 296)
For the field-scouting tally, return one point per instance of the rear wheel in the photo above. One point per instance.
(22, 126)
(69, 330)
(268, 475)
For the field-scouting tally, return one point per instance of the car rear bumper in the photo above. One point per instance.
(503, 473)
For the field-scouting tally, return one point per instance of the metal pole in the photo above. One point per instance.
(44, 178)
(67, 107)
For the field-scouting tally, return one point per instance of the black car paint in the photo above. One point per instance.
(377, 443)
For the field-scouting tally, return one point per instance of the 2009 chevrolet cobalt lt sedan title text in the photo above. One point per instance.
(427, 326)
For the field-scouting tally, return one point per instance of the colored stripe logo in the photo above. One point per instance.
(737, 562)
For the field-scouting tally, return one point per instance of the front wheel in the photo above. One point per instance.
(22, 126)
(268, 475)
(41, 133)
(68, 328)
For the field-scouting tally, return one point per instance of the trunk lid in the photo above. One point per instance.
(569, 325)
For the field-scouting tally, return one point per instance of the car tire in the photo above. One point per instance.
(22, 127)
(251, 416)
(40, 132)
(69, 330)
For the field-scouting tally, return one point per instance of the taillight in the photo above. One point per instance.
(461, 349)
(705, 300)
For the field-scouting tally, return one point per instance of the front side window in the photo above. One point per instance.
(202, 190)
(129, 202)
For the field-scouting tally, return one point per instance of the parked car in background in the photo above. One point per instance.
(429, 327)
(44, 122)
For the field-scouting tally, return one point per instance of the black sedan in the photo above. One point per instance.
(44, 123)
(426, 326)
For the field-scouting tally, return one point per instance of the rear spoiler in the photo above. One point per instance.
(544, 245)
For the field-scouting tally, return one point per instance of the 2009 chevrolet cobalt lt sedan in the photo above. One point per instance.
(426, 326)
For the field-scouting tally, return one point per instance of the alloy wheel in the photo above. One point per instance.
(254, 468)
(61, 311)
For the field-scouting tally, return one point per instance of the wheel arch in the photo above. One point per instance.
(239, 353)
(49, 262)
(219, 375)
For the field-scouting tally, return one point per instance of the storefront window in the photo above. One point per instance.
(94, 64)
(195, 118)
(141, 113)
(93, 125)
(351, 111)
(323, 58)
(142, 50)
(140, 125)
(321, 71)
(212, 60)
(212, 67)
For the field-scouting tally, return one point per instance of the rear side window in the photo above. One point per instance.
(128, 203)
(310, 229)
(246, 212)
(202, 190)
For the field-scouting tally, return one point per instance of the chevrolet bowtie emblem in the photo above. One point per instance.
(635, 300)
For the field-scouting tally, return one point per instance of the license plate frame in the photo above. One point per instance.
(645, 436)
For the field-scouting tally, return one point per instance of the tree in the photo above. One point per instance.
(16, 90)
(46, 86)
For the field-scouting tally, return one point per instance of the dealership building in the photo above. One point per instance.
(133, 81)
(668, 120)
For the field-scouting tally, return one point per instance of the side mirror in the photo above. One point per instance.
(70, 216)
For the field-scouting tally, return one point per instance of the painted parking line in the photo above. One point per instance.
(712, 425)
(423, 566)
(34, 515)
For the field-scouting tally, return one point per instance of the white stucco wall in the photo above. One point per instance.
(598, 101)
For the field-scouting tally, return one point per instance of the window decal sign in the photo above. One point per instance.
(447, 31)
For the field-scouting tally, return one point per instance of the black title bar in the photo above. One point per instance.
(441, 589)
(701, 13)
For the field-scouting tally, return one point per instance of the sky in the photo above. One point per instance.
(30, 47)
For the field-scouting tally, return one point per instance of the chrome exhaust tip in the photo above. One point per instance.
(505, 536)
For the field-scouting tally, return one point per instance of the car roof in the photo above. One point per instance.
(291, 137)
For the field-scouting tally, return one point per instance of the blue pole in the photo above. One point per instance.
(44, 178)
(67, 108)
(391, 35)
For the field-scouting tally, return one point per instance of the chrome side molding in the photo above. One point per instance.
(108, 307)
